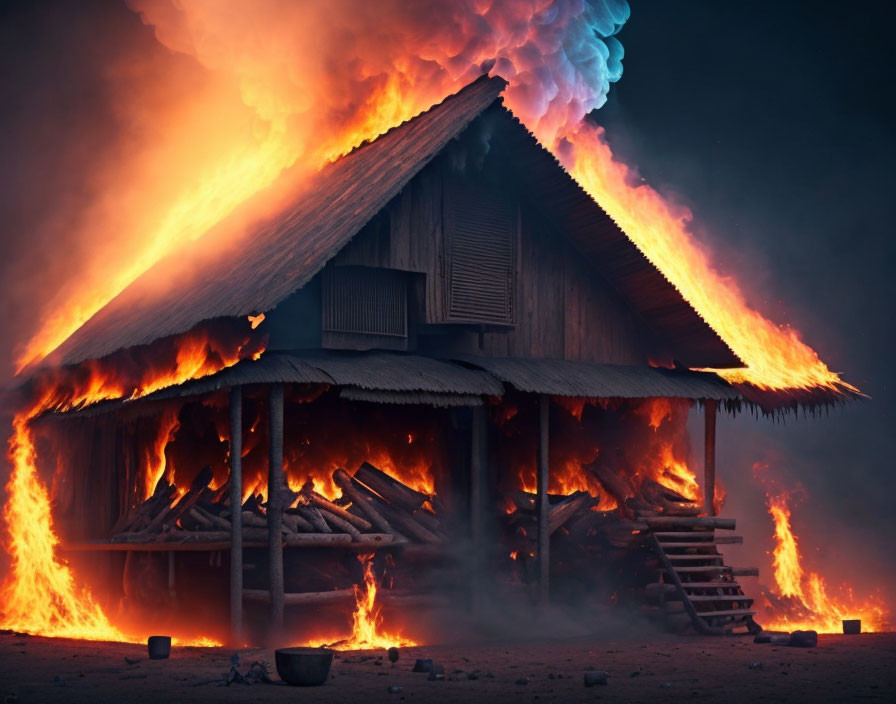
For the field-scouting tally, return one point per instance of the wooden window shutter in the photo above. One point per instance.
(480, 261)
(364, 308)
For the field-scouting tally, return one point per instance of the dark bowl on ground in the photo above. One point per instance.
(305, 667)
(159, 647)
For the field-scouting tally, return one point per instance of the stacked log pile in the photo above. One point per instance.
(374, 508)
(650, 499)
(591, 549)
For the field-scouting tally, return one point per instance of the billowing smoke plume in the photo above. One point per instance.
(238, 92)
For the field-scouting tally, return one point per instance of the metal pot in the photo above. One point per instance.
(159, 647)
(304, 667)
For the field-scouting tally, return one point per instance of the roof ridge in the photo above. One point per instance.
(484, 78)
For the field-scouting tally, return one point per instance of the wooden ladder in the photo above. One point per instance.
(695, 587)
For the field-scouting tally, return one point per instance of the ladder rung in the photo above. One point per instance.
(700, 568)
(685, 534)
(673, 522)
(745, 571)
(694, 558)
(689, 546)
(710, 585)
(718, 597)
(730, 612)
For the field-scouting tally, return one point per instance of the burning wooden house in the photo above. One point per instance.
(448, 356)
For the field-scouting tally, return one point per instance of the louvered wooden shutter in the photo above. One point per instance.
(364, 307)
(480, 243)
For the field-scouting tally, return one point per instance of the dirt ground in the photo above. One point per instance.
(661, 668)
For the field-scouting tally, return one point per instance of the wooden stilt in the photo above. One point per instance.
(477, 491)
(541, 502)
(709, 464)
(236, 516)
(171, 576)
(275, 512)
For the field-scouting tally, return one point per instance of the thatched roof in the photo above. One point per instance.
(560, 377)
(281, 254)
(388, 377)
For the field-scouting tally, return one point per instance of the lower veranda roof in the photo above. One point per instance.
(388, 377)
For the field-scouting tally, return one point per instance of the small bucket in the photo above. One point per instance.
(159, 647)
(852, 626)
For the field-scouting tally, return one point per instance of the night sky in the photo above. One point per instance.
(772, 121)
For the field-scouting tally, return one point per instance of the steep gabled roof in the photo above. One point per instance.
(279, 255)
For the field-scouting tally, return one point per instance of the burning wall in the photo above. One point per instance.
(631, 440)
(322, 434)
(40, 594)
(103, 464)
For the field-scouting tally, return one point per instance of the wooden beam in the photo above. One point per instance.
(301, 598)
(673, 522)
(236, 517)
(171, 577)
(541, 501)
(709, 463)
(275, 511)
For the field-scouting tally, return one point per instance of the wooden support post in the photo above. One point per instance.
(479, 431)
(275, 512)
(541, 501)
(171, 577)
(236, 517)
(709, 462)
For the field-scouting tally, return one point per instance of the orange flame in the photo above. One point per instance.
(156, 461)
(367, 620)
(40, 594)
(775, 356)
(663, 455)
(807, 604)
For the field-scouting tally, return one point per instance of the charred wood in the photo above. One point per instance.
(391, 489)
(360, 501)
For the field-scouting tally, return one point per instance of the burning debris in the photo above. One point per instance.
(624, 550)
(367, 633)
(375, 508)
(259, 672)
(40, 594)
(801, 598)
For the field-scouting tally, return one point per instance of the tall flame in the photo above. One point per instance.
(775, 356)
(367, 633)
(807, 603)
(156, 460)
(40, 594)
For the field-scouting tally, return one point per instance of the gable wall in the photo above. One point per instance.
(564, 310)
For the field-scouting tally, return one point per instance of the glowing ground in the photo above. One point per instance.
(656, 668)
